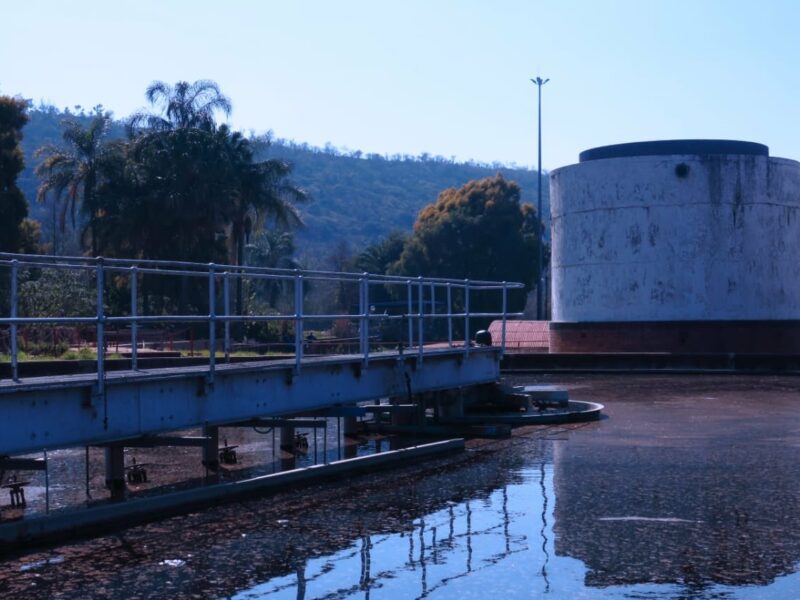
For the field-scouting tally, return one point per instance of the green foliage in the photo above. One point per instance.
(361, 198)
(13, 206)
(478, 231)
(379, 258)
(275, 250)
(71, 172)
(358, 197)
(30, 234)
(179, 187)
(60, 292)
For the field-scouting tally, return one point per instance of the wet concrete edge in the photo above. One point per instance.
(15, 535)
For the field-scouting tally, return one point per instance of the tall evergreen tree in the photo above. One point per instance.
(13, 206)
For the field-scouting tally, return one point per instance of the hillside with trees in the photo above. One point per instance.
(174, 183)
(356, 199)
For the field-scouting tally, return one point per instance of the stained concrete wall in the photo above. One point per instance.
(676, 238)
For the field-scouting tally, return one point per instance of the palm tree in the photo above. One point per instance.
(71, 172)
(263, 194)
(272, 249)
(182, 106)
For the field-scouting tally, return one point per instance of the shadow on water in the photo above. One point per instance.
(690, 489)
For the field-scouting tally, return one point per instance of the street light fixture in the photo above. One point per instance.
(539, 82)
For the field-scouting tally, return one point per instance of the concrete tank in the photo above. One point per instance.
(680, 245)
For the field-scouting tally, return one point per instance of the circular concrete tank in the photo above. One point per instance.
(680, 245)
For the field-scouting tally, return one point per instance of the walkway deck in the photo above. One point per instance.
(68, 410)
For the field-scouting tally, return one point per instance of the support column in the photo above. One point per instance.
(287, 438)
(211, 447)
(350, 427)
(404, 417)
(451, 404)
(115, 471)
(350, 430)
(287, 461)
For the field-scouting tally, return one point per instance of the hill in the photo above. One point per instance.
(357, 198)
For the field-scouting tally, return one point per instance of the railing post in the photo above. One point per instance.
(212, 322)
(505, 316)
(134, 325)
(226, 308)
(449, 315)
(13, 332)
(466, 317)
(409, 311)
(365, 317)
(433, 312)
(298, 322)
(101, 340)
(420, 313)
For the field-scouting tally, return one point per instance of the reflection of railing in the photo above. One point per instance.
(419, 291)
(446, 537)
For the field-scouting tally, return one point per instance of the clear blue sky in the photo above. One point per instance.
(444, 77)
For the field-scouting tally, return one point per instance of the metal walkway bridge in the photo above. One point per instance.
(110, 406)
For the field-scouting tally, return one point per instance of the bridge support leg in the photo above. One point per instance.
(450, 404)
(350, 426)
(287, 438)
(350, 430)
(402, 417)
(211, 447)
(115, 471)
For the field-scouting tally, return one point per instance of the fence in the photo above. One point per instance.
(418, 292)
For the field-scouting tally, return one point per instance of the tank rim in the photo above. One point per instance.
(674, 147)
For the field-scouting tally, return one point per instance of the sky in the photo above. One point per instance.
(449, 78)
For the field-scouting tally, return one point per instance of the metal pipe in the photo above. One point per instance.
(101, 340)
(200, 269)
(365, 317)
(420, 317)
(13, 332)
(298, 324)
(449, 316)
(212, 325)
(410, 309)
(466, 317)
(503, 340)
(88, 493)
(232, 318)
(134, 314)
(226, 308)
(46, 484)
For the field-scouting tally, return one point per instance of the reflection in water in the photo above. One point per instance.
(698, 494)
(476, 541)
(667, 498)
(544, 531)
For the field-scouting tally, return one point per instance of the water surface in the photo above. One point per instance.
(689, 489)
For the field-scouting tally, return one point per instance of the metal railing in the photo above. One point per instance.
(214, 273)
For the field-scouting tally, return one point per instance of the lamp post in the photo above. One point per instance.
(539, 82)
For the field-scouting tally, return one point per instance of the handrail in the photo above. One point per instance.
(122, 264)
(225, 273)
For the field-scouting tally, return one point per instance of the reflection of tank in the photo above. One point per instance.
(682, 245)
(667, 504)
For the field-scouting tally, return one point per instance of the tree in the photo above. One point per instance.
(262, 193)
(379, 258)
(275, 250)
(182, 106)
(479, 231)
(72, 172)
(13, 206)
(183, 187)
